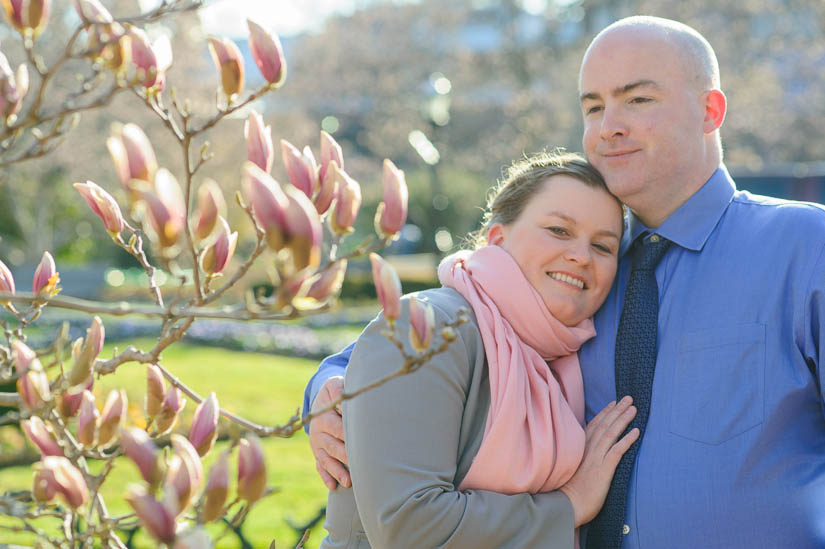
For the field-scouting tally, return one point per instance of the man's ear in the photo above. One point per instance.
(715, 108)
(495, 234)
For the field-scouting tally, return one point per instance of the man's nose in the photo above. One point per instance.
(613, 124)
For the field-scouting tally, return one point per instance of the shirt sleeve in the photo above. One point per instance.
(331, 366)
(403, 447)
(814, 327)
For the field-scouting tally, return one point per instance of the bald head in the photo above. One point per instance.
(693, 50)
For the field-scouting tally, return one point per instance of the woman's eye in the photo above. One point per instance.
(558, 231)
(603, 248)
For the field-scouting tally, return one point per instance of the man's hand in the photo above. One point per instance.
(326, 437)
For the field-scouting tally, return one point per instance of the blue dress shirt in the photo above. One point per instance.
(733, 454)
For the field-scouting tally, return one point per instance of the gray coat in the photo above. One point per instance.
(411, 441)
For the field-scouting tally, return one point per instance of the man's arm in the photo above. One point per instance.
(326, 432)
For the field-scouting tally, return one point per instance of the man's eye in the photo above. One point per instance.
(592, 110)
(640, 100)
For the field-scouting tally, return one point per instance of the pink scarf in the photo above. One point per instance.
(534, 437)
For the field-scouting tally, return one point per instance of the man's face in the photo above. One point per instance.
(643, 118)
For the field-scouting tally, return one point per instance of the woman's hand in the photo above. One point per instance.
(603, 449)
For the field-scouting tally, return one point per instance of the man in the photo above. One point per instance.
(733, 450)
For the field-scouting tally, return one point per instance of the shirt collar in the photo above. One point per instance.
(691, 224)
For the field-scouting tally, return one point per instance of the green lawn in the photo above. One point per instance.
(263, 388)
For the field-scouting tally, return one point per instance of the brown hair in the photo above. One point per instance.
(523, 179)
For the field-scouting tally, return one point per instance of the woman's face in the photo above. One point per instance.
(566, 242)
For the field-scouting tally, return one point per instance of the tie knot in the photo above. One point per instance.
(649, 251)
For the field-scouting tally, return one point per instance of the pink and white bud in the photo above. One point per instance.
(251, 469)
(39, 434)
(137, 445)
(92, 11)
(46, 277)
(301, 168)
(28, 16)
(133, 156)
(259, 149)
(112, 417)
(327, 190)
(216, 257)
(188, 453)
(155, 391)
(347, 202)
(267, 53)
(422, 324)
(185, 471)
(195, 537)
(68, 402)
(22, 356)
(6, 279)
(330, 152)
(86, 354)
(211, 205)
(204, 428)
(44, 486)
(303, 228)
(33, 387)
(103, 205)
(166, 208)
(387, 286)
(13, 87)
(217, 488)
(229, 62)
(87, 420)
(167, 418)
(151, 60)
(69, 481)
(158, 518)
(269, 204)
(329, 283)
(392, 212)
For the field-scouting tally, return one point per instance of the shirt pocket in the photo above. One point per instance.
(719, 383)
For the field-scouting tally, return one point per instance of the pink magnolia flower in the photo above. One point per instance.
(217, 488)
(44, 485)
(301, 168)
(173, 403)
(157, 517)
(13, 87)
(23, 356)
(155, 391)
(137, 445)
(229, 61)
(347, 203)
(329, 282)
(87, 420)
(204, 428)
(112, 417)
(151, 60)
(251, 469)
(33, 387)
(92, 11)
(103, 205)
(85, 352)
(330, 152)
(166, 209)
(269, 204)
(6, 279)
(133, 157)
(392, 212)
(216, 257)
(68, 480)
(195, 537)
(46, 277)
(259, 149)
(185, 471)
(39, 434)
(28, 15)
(267, 53)
(303, 227)
(422, 324)
(68, 403)
(387, 286)
(211, 205)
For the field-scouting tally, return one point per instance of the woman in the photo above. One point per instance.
(484, 446)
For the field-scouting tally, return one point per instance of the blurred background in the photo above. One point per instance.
(450, 91)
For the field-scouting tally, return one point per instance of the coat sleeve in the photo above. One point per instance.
(403, 445)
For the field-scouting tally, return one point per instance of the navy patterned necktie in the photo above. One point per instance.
(635, 365)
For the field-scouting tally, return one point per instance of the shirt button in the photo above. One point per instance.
(654, 238)
(625, 529)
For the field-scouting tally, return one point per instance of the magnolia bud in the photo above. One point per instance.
(216, 257)
(303, 228)
(269, 204)
(151, 61)
(167, 418)
(68, 403)
(251, 470)
(185, 471)
(217, 488)
(300, 168)
(46, 277)
(157, 517)
(194, 538)
(329, 283)
(39, 434)
(103, 205)
(267, 53)
(13, 87)
(211, 205)
(28, 16)
(69, 481)
(155, 390)
(112, 417)
(86, 354)
(33, 386)
(422, 324)
(44, 487)
(133, 155)
(167, 209)
(87, 420)
(387, 286)
(204, 428)
(347, 202)
(392, 212)
(6, 280)
(330, 152)
(92, 11)
(229, 61)
(137, 445)
(259, 149)
(23, 356)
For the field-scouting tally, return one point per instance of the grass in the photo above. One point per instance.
(266, 389)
